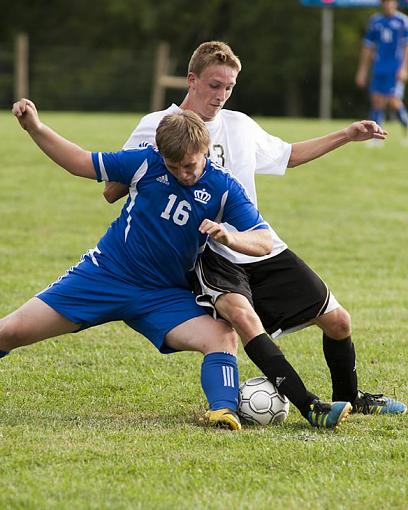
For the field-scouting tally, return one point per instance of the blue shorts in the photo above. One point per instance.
(387, 85)
(89, 295)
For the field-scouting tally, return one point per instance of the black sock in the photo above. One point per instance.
(3, 353)
(341, 360)
(271, 361)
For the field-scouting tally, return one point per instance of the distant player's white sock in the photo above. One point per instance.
(402, 115)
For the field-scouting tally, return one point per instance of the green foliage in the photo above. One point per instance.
(99, 420)
(100, 55)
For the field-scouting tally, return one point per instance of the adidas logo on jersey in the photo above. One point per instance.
(202, 196)
(163, 179)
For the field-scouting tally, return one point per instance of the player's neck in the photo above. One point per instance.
(188, 103)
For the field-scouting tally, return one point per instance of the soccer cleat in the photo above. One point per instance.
(221, 418)
(367, 403)
(326, 415)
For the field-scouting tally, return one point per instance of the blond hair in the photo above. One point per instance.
(180, 133)
(213, 52)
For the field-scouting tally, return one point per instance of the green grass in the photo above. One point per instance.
(100, 420)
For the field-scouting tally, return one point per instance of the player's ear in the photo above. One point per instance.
(191, 79)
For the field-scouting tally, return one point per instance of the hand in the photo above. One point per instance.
(361, 79)
(26, 114)
(216, 232)
(365, 130)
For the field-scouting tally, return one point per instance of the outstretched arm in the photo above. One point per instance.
(66, 154)
(302, 152)
(253, 242)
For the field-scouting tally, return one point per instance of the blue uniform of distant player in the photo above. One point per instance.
(389, 36)
(385, 45)
(139, 270)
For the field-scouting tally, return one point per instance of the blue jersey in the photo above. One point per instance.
(389, 36)
(155, 241)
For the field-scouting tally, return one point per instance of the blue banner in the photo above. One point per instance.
(348, 3)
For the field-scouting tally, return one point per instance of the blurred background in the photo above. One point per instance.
(105, 55)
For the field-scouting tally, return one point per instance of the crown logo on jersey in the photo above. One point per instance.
(202, 196)
(163, 179)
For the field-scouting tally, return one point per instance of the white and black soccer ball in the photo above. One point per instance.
(260, 403)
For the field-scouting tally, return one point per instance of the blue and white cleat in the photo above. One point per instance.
(328, 415)
(368, 403)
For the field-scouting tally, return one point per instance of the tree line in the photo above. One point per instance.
(100, 55)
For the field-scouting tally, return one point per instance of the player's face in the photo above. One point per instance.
(210, 91)
(389, 7)
(189, 169)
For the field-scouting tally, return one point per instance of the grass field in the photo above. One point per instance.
(100, 420)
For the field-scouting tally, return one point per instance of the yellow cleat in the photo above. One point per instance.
(221, 418)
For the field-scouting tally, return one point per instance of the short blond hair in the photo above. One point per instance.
(213, 52)
(180, 133)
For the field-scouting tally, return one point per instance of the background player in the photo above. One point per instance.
(285, 292)
(385, 45)
(127, 275)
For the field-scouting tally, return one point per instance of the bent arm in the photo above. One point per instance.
(66, 154)
(367, 53)
(256, 243)
(114, 191)
(305, 151)
(403, 70)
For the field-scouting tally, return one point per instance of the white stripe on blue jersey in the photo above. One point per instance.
(155, 241)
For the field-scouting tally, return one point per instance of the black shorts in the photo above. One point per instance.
(284, 291)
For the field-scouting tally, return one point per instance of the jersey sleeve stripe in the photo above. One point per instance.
(133, 193)
(222, 206)
(104, 175)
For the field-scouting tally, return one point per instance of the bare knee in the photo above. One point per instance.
(230, 341)
(242, 318)
(12, 334)
(237, 310)
(225, 340)
(378, 101)
(336, 324)
(203, 334)
(395, 103)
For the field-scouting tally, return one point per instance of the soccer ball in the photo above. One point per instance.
(260, 402)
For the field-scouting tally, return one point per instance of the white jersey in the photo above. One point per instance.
(241, 146)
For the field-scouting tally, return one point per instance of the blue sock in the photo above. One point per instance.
(377, 116)
(402, 115)
(220, 381)
(3, 353)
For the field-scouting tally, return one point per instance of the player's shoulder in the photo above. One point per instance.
(234, 116)
(153, 118)
(402, 17)
(222, 175)
(238, 121)
(376, 18)
(144, 151)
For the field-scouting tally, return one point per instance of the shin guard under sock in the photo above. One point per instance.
(341, 360)
(220, 380)
(271, 361)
